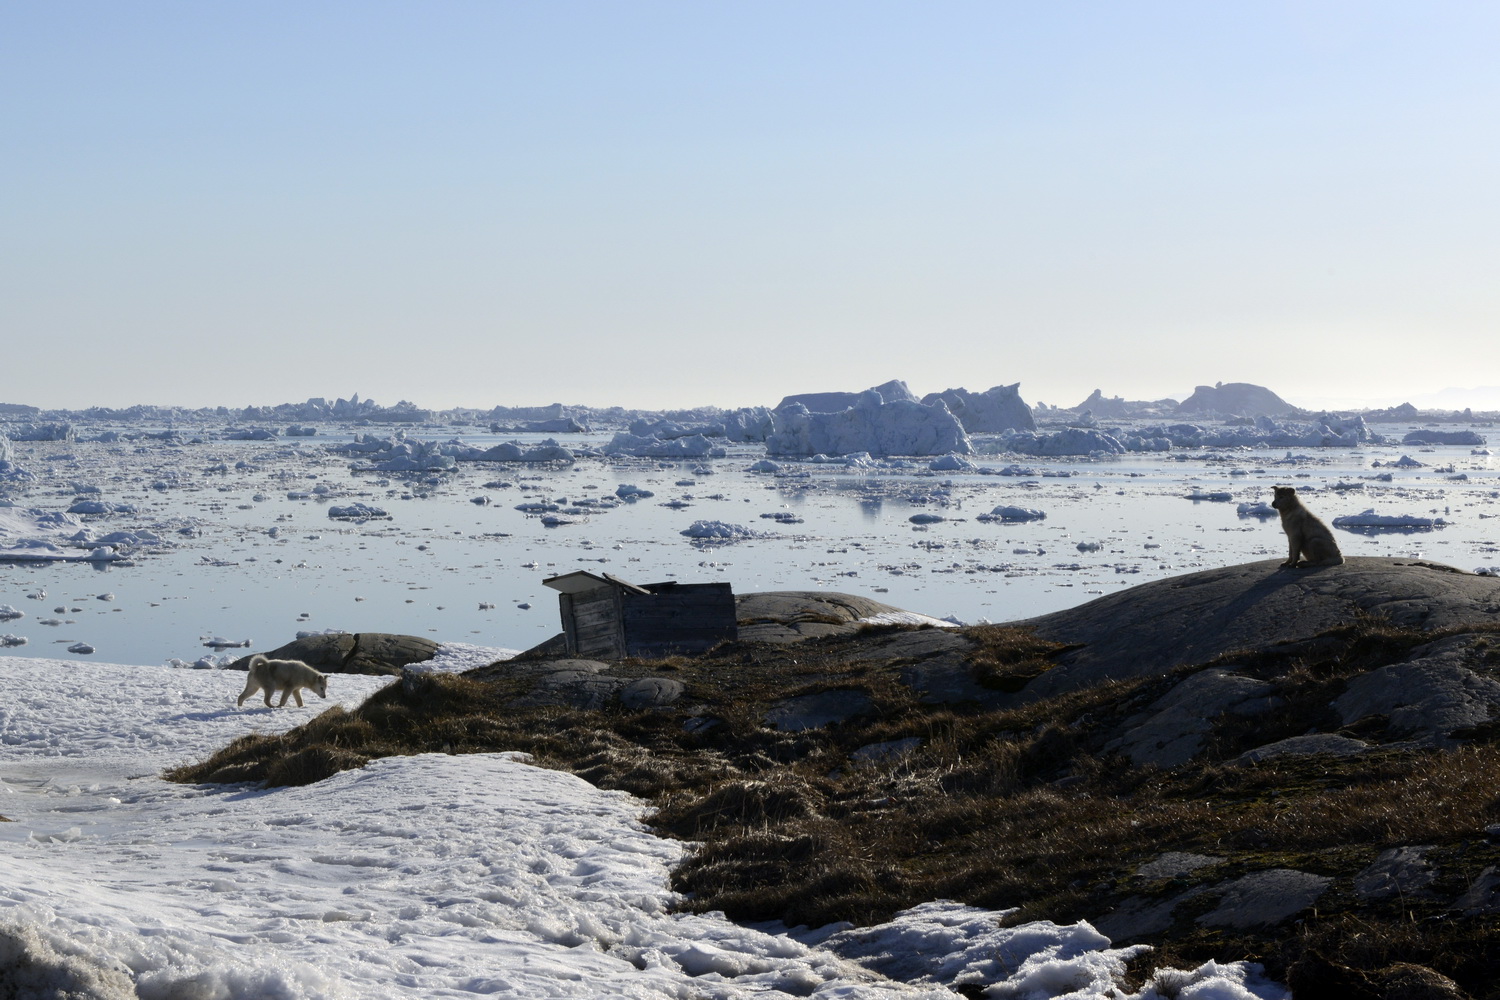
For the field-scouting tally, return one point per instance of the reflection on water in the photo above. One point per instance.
(255, 556)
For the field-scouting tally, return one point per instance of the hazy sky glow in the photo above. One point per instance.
(688, 203)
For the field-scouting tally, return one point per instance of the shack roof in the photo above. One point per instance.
(581, 581)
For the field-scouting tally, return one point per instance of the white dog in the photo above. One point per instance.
(287, 676)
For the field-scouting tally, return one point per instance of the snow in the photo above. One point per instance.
(422, 876)
(905, 618)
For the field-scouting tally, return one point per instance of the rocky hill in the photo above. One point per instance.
(1298, 767)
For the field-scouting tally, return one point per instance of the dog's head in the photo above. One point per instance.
(1286, 497)
(321, 686)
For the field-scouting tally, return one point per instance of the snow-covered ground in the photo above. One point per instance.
(426, 876)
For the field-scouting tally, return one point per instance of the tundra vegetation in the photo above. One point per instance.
(1016, 804)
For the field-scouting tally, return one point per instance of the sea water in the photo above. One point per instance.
(251, 554)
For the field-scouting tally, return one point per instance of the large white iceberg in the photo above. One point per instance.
(901, 427)
(999, 408)
(837, 402)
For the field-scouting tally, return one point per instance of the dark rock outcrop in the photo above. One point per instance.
(353, 653)
(1156, 626)
(791, 615)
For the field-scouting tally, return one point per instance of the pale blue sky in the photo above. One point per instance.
(677, 204)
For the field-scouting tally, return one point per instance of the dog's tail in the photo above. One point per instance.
(254, 659)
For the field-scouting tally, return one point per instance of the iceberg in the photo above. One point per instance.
(357, 512)
(837, 402)
(873, 425)
(997, 409)
(719, 531)
(692, 446)
(1009, 513)
(1068, 441)
(952, 463)
(1368, 520)
(547, 451)
(1444, 437)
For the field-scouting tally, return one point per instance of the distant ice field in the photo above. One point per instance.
(248, 550)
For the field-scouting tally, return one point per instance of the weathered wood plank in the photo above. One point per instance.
(685, 621)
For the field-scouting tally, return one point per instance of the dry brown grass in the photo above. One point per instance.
(1000, 807)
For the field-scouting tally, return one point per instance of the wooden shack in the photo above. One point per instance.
(607, 618)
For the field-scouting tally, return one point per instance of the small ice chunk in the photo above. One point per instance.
(356, 511)
(1369, 519)
(1009, 513)
(720, 531)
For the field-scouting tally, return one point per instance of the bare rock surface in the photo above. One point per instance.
(353, 653)
(813, 711)
(1149, 629)
(1177, 864)
(579, 684)
(651, 692)
(793, 615)
(1265, 898)
(1312, 743)
(1398, 871)
(1483, 896)
(1171, 731)
(1139, 916)
(948, 679)
(1427, 697)
(920, 644)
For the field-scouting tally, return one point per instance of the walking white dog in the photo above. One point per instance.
(287, 676)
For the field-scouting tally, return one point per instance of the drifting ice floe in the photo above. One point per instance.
(357, 512)
(1007, 512)
(720, 531)
(1369, 519)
